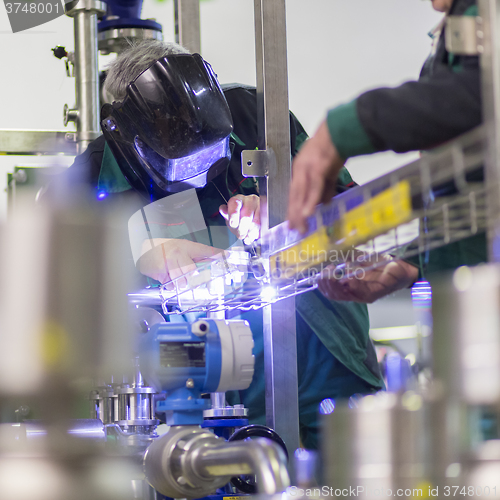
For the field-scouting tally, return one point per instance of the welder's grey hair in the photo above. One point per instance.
(133, 61)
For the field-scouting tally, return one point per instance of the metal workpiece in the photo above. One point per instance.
(466, 337)
(280, 356)
(187, 24)
(86, 114)
(189, 462)
(381, 443)
(436, 200)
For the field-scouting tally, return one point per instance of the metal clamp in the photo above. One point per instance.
(464, 35)
(257, 163)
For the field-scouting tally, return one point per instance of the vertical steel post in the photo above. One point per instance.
(489, 11)
(280, 348)
(85, 14)
(187, 24)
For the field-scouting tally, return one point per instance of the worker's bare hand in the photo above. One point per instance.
(315, 170)
(242, 214)
(165, 259)
(355, 284)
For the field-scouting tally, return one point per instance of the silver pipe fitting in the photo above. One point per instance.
(261, 457)
(190, 462)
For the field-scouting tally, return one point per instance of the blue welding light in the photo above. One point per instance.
(102, 194)
(421, 294)
(327, 406)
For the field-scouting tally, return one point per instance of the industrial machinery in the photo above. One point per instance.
(200, 453)
(146, 367)
(442, 441)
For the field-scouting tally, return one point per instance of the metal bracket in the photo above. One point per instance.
(464, 35)
(257, 162)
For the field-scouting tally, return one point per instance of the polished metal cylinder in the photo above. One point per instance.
(189, 462)
(95, 404)
(107, 409)
(85, 14)
(378, 446)
(466, 338)
(218, 399)
(87, 77)
(135, 403)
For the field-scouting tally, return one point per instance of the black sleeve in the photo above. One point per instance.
(87, 166)
(423, 114)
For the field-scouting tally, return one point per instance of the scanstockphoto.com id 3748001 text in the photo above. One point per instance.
(425, 491)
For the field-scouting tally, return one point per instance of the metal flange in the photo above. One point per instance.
(75, 6)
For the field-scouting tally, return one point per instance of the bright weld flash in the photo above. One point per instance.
(268, 293)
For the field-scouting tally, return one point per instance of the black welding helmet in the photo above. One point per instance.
(171, 132)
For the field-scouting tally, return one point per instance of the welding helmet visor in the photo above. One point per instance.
(171, 132)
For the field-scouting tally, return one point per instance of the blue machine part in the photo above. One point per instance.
(171, 354)
(125, 8)
(224, 427)
(188, 359)
(129, 16)
(128, 23)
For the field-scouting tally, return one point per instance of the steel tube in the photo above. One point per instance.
(86, 74)
(218, 399)
(280, 350)
(187, 24)
(261, 457)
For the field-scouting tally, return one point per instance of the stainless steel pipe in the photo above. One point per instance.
(85, 14)
(189, 462)
(261, 457)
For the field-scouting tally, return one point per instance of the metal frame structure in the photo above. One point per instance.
(280, 348)
(187, 24)
(87, 111)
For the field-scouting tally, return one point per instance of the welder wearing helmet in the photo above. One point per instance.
(173, 133)
(444, 103)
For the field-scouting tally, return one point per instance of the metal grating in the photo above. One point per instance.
(441, 199)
